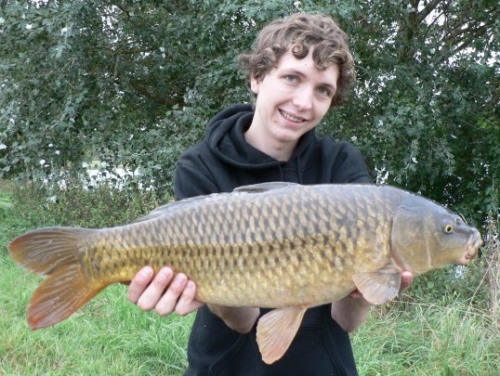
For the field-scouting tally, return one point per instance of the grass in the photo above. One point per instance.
(110, 336)
(428, 339)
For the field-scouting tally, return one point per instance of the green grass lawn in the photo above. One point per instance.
(429, 340)
(110, 336)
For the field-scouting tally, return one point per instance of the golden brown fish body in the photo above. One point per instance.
(270, 245)
(253, 249)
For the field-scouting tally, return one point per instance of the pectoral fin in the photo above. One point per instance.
(380, 286)
(276, 330)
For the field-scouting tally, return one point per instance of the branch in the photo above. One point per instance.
(414, 4)
(124, 10)
(143, 90)
(464, 33)
(457, 30)
(115, 71)
(428, 9)
(458, 44)
(494, 101)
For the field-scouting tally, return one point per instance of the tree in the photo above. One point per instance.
(133, 83)
(428, 100)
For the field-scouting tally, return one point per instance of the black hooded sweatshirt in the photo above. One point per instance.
(222, 162)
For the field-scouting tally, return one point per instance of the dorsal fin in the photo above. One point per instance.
(175, 205)
(264, 187)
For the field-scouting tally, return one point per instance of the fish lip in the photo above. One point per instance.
(474, 243)
(469, 256)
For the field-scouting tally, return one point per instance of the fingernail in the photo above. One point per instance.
(166, 272)
(147, 272)
(180, 280)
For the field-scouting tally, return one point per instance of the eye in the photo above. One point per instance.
(448, 228)
(291, 78)
(325, 92)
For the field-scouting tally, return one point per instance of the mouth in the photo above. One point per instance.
(465, 259)
(469, 256)
(294, 119)
(474, 243)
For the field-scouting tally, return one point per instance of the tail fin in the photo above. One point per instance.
(53, 251)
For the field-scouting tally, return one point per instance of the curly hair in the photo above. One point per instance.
(299, 33)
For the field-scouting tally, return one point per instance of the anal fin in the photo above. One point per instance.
(276, 330)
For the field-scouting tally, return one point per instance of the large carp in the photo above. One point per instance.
(274, 245)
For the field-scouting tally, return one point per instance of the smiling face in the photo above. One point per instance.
(292, 98)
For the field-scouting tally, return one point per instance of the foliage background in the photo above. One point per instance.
(131, 84)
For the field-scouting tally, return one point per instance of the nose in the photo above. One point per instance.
(303, 99)
(477, 241)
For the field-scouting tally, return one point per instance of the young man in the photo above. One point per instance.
(299, 68)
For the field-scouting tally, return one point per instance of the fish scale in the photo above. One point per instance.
(264, 255)
(275, 245)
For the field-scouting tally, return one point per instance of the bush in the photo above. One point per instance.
(76, 204)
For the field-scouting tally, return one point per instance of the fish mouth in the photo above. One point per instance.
(469, 256)
(473, 244)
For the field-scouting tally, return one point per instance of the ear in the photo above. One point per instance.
(255, 85)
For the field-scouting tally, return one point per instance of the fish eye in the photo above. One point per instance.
(448, 228)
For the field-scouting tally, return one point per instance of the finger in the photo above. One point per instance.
(406, 279)
(153, 293)
(166, 304)
(139, 283)
(187, 302)
(355, 294)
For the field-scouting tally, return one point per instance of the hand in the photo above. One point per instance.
(165, 293)
(351, 313)
(406, 280)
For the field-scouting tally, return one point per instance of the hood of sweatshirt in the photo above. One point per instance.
(225, 137)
